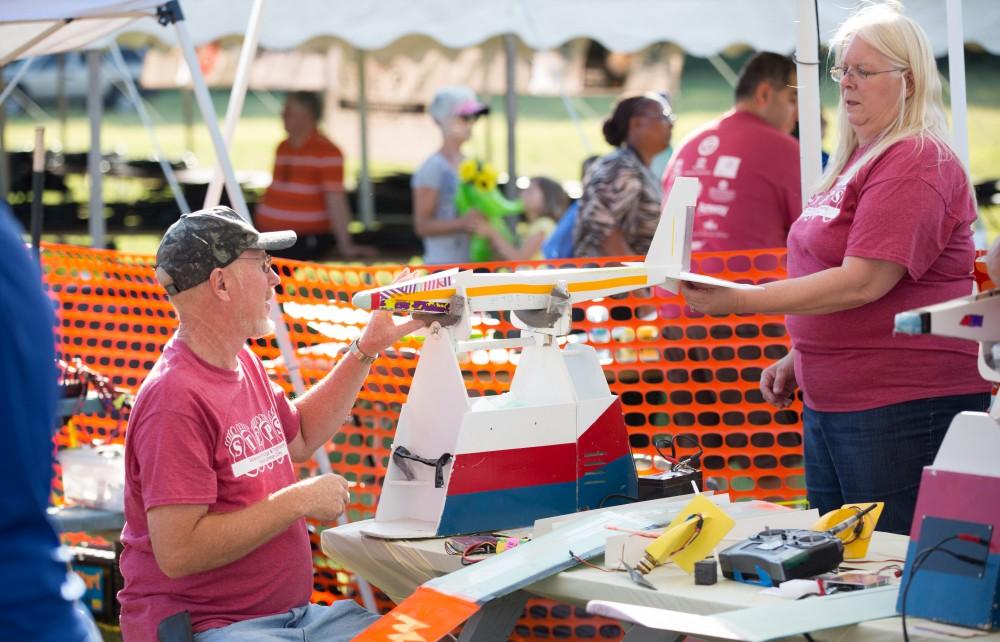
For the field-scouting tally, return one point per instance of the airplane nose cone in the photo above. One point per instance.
(362, 300)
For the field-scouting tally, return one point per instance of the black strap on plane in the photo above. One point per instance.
(401, 454)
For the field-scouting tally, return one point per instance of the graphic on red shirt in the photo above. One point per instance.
(749, 174)
(256, 446)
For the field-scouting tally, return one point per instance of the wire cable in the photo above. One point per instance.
(922, 556)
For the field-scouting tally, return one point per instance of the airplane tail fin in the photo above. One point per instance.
(671, 246)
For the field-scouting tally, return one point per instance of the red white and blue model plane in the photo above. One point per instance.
(556, 443)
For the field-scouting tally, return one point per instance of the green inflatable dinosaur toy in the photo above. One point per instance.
(477, 190)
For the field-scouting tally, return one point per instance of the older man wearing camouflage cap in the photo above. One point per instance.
(215, 531)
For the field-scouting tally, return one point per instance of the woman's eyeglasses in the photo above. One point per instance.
(839, 73)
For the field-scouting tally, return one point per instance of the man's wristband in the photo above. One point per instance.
(356, 350)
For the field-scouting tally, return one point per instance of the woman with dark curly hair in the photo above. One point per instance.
(620, 206)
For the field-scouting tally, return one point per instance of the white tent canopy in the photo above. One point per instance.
(33, 28)
(700, 27)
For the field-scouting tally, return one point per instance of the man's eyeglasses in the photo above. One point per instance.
(265, 261)
(839, 73)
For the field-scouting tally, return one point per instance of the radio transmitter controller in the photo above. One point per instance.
(773, 556)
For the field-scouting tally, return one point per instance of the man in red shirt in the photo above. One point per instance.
(307, 190)
(747, 162)
(214, 510)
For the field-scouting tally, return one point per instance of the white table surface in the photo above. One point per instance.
(397, 567)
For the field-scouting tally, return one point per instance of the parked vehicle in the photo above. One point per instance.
(41, 82)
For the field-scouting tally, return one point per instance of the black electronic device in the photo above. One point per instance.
(773, 556)
(669, 483)
(678, 478)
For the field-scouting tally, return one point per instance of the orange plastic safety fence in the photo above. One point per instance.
(678, 373)
(551, 620)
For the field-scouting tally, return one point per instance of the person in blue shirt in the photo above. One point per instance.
(37, 588)
(559, 245)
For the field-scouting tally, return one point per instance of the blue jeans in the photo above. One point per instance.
(339, 622)
(877, 454)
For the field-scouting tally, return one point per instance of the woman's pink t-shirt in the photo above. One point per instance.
(910, 208)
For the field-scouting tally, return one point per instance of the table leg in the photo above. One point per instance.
(639, 633)
(495, 620)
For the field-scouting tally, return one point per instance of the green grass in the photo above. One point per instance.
(547, 141)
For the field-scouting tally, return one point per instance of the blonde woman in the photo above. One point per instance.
(887, 229)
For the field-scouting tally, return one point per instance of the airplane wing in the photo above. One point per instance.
(703, 279)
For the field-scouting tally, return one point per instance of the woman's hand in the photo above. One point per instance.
(484, 228)
(777, 382)
(472, 220)
(710, 299)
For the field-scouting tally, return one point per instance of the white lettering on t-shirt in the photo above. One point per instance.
(700, 168)
(826, 212)
(727, 166)
(256, 446)
(712, 209)
(722, 193)
(826, 205)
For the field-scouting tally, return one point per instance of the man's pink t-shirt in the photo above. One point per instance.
(908, 208)
(199, 434)
(750, 188)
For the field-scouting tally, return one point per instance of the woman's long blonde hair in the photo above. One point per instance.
(921, 115)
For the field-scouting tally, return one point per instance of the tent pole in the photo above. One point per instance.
(956, 77)
(37, 191)
(12, 85)
(724, 69)
(207, 110)
(807, 70)
(366, 196)
(187, 109)
(959, 107)
(95, 221)
(61, 101)
(237, 96)
(147, 123)
(510, 107)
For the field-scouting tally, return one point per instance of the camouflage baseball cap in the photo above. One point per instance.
(201, 241)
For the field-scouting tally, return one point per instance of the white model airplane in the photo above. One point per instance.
(667, 264)
(556, 443)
